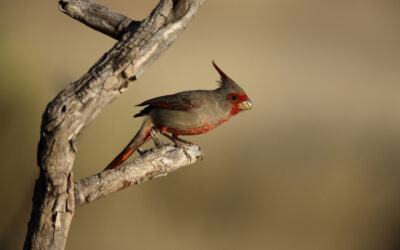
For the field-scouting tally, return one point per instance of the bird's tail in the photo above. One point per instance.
(140, 138)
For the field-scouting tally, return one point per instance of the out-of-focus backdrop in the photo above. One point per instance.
(315, 164)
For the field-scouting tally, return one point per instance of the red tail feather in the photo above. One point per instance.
(141, 137)
(120, 158)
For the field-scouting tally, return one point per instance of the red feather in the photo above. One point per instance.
(221, 73)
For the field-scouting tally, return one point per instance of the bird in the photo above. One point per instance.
(186, 113)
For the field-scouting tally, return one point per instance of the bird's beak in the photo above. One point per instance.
(245, 105)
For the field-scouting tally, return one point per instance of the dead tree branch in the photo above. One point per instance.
(99, 17)
(81, 101)
(157, 163)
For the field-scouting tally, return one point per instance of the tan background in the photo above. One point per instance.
(315, 164)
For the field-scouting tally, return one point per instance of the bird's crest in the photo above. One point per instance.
(226, 81)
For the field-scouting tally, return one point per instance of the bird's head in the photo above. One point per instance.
(235, 95)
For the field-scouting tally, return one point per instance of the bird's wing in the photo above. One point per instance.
(180, 101)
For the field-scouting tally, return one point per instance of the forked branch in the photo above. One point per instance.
(99, 17)
(139, 45)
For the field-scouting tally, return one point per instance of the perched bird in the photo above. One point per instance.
(187, 113)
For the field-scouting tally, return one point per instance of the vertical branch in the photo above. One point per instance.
(81, 101)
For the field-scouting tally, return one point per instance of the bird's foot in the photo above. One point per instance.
(141, 151)
(156, 140)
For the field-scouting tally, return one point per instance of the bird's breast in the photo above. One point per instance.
(196, 130)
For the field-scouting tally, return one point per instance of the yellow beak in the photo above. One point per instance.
(245, 105)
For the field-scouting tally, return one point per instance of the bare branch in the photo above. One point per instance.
(156, 163)
(99, 17)
(81, 101)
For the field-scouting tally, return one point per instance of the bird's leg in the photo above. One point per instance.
(175, 139)
(182, 140)
(163, 131)
(155, 138)
(169, 137)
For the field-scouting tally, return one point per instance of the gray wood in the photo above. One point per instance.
(81, 101)
(99, 17)
(156, 163)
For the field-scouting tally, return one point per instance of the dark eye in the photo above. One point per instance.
(234, 98)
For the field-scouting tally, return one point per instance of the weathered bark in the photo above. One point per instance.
(157, 163)
(99, 17)
(81, 101)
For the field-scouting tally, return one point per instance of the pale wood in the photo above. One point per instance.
(155, 163)
(81, 101)
(99, 17)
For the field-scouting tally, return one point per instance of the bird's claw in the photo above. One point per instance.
(141, 151)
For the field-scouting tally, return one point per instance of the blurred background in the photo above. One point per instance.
(315, 164)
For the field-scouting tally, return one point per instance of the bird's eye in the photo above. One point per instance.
(234, 98)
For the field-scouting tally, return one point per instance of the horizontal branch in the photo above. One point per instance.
(157, 162)
(99, 17)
